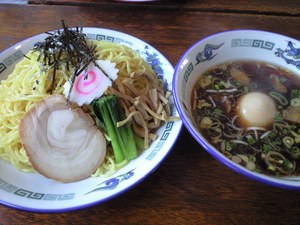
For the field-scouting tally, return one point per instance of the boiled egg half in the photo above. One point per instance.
(256, 109)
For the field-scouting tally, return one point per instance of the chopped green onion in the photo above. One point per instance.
(295, 93)
(251, 158)
(285, 131)
(228, 146)
(225, 84)
(243, 157)
(218, 130)
(278, 116)
(266, 148)
(288, 141)
(250, 139)
(295, 102)
(295, 150)
(273, 134)
(217, 87)
(250, 166)
(272, 168)
(217, 111)
(287, 165)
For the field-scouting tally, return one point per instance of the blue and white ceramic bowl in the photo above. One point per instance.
(33, 192)
(233, 45)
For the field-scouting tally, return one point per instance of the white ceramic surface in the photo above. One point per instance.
(33, 192)
(223, 47)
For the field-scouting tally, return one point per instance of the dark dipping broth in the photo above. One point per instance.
(272, 148)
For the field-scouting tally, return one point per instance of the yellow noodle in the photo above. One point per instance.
(127, 60)
(23, 88)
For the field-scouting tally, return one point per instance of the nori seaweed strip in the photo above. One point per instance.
(73, 46)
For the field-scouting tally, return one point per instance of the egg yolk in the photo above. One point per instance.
(256, 109)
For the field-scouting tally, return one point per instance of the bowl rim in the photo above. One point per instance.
(265, 179)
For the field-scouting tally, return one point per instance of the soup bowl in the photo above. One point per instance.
(230, 46)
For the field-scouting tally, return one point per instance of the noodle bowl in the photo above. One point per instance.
(35, 193)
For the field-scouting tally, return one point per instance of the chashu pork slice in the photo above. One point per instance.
(62, 142)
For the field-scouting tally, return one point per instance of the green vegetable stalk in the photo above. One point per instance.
(122, 138)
